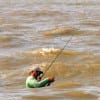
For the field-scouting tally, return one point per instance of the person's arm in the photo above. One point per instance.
(33, 83)
(41, 83)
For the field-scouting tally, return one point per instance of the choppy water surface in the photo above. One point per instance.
(32, 34)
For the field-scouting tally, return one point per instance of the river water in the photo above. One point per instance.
(33, 32)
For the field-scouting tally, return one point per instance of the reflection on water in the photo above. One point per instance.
(32, 34)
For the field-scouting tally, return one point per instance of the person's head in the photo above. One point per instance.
(36, 72)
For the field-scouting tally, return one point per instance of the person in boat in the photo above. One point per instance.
(34, 79)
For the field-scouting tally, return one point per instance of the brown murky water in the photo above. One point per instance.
(32, 33)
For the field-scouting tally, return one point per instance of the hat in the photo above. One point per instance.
(37, 69)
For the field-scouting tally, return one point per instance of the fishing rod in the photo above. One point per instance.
(52, 62)
(67, 42)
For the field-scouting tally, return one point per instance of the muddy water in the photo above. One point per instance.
(32, 33)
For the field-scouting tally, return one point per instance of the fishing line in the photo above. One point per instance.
(67, 42)
(52, 62)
